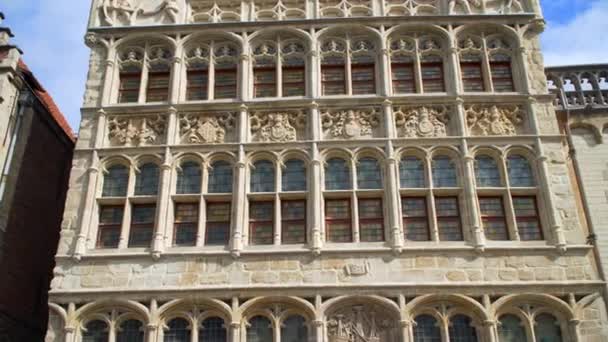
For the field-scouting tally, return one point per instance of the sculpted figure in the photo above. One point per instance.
(169, 8)
(512, 6)
(466, 4)
(120, 10)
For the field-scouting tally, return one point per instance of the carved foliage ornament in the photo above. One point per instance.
(360, 323)
(198, 129)
(277, 127)
(349, 124)
(422, 122)
(136, 131)
(493, 120)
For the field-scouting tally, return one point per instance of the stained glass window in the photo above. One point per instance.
(186, 224)
(520, 172)
(130, 331)
(493, 218)
(294, 176)
(444, 172)
(293, 222)
(95, 331)
(371, 220)
(218, 223)
(448, 219)
(547, 329)
(338, 222)
(178, 331)
(294, 329)
(261, 223)
(426, 329)
(511, 329)
(461, 329)
(415, 219)
(526, 216)
(259, 330)
(213, 329)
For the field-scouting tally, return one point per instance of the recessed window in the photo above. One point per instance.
(265, 80)
(146, 181)
(110, 222)
(294, 78)
(493, 218)
(363, 75)
(115, 181)
(130, 331)
(142, 225)
(371, 220)
(213, 329)
(225, 80)
(186, 224)
(444, 172)
(369, 175)
(218, 224)
(130, 82)
(220, 178)
(294, 329)
(294, 176)
(431, 70)
(403, 76)
(448, 219)
(411, 173)
(511, 329)
(337, 175)
(333, 75)
(197, 83)
(259, 329)
(526, 216)
(415, 219)
(263, 177)
(189, 178)
(261, 223)
(338, 220)
(158, 85)
(95, 331)
(502, 78)
(461, 329)
(178, 329)
(472, 73)
(547, 328)
(486, 172)
(293, 222)
(520, 172)
(426, 329)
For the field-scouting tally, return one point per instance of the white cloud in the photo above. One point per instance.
(583, 40)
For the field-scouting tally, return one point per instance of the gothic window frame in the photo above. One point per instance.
(281, 10)
(182, 198)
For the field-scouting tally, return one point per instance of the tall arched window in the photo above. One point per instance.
(294, 329)
(115, 181)
(333, 68)
(212, 71)
(280, 56)
(294, 176)
(189, 178)
(426, 329)
(547, 329)
(444, 172)
(265, 70)
(95, 331)
(461, 329)
(337, 175)
(411, 50)
(346, 59)
(130, 331)
(262, 177)
(511, 329)
(486, 172)
(130, 75)
(411, 173)
(146, 181)
(293, 69)
(520, 172)
(502, 77)
(178, 330)
(213, 329)
(259, 330)
(225, 61)
(220, 178)
(159, 75)
(369, 174)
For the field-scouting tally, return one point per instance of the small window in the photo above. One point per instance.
(110, 223)
(520, 172)
(259, 330)
(493, 218)
(337, 175)
(502, 78)
(261, 223)
(265, 81)
(426, 329)
(142, 225)
(146, 182)
(294, 78)
(486, 172)
(363, 75)
(547, 328)
(369, 175)
(444, 173)
(158, 86)
(448, 219)
(338, 222)
(371, 220)
(186, 224)
(115, 181)
(333, 75)
(189, 178)
(220, 178)
(130, 331)
(472, 74)
(411, 173)
(262, 177)
(462, 330)
(294, 176)
(526, 216)
(225, 81)
(218, 224)
(294, 329)
(511, 329)
(130, 82)
(95, 331)
(415, 219)
(197, 84)
(293, 222)
(431, 68)
(213, 329)
(178, 330)
(403, 76)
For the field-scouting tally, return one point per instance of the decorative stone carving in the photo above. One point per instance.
(360, 323)
(202, 129)
(411, 7)
(134, 12)
(214, 11)
(136, 131)
(277, 127)
(350, 124)
(493, 120)
(485, 6)
(357, 270)
(421, 122)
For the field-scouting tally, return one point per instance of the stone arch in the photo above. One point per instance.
(329, 305)
(215, 157)
(373, 152)
(300, 154)
(406, 29)
(188, 157)
(273, 32)
(418, 305)
(91, 311)
(295, 305)
(145, 37)
(556, 305)
(343, 153)
(121, 159)
(342, 29)
(182, 307)
(588, 127)
(145, 159)
(194, 38)
(476, 29)
(415, 151)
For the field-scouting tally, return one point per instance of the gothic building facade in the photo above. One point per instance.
(322, 170)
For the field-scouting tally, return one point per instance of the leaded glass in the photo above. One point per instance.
(444, 172)
(547, 329)
(261, 222)
(293, 225)
(115, 181)
(294, 329)
(218, 223)
(411, 173)
(486, 172)
(95, 331)
(130, 331)
(461, 329)
(142, 225)
(337, 175)
(178, 331)
(510, 329)
(371, 220)
(448, 219)
(186, 224)
(220, 178)
(212, 330)
(294, 176)
(526, 216)
(369, 175)
(262, 177)
(426, 329)
(189, 178)
(259, 330)
(110, 221)
(415, 219)
(493, 218)
(520, 172)
(146, 181)
(338, 222)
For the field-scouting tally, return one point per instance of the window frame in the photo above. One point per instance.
(329, 221)
(494, 218)
(254, 222)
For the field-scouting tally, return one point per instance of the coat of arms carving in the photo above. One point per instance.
(360, 323)
(207, 129)
(136, 131)
(350, 124)
(277, 127)
(493, 120)
(421, 122)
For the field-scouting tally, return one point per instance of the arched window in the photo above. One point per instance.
(502, 77)
(220, 178)
(130, 331)
(286, 56)
(369, 174)
(431, 72)
(511, 329)
(444, 172)
(547, 329)
(485, 63)
(95, 331)
(259, 330)
(293, 69)
(520, 172)
(115, 181)
(197, 74)
(363, 71)
(159, 75)
(146, 181)
(471, 68)
(226, 72)
(265, 70)
(189, 178)
(130, 75)
(294, 176)
(213, 57)
(461, 329)
(426, 329)
(335, 71)
(213, 329)
(411, 172)
(409, 51)
(486, 172)
(262, 176)
(333, 68)
(337, 175)
(294, 329)
(178, 331)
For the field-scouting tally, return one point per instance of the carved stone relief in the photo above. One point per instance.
(361, 323)
(139, 12)
(494, 120)
(205, 129)
(136, 131)
(421, 122)
(349, 124)
(485, 6)
(277, 127)
(214, 11)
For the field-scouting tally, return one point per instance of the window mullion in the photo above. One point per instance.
(510, 216)
(125, 225)
(277, 219)
(432, 216)
(279, 71)
(201, 231)
(211, 73)
(485, 60)
(355, 217)
(143, 84)
(348, 71)
(418, 70)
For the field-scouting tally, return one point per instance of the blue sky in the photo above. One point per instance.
(50, 32)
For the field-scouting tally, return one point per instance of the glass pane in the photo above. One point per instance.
(369, 175)
(189, 179)
(265, 82)
(225, 83)
(178, 331)
(338, 220)
(259, 330)
(293, 214)
(146, 182)
(218, 223)
(129, 87)
(95, 331)
(547, 329)
(444, 173)
(472, 78)
(432, 77)
(333, 80)
(493, 218)
(261, 217)
(526, 215)
(461, 329)
(130, 331)
(294, 176)
(403, 78)
(197, 85)
(511, 329)
(220, 178)
(337, 175)
(110, 222)
(158, 86)
(426, 329)
(115, 181)
(363, 78)
(212, 330)
(371, 221)
(142, 225)
(448, 219)
(486, 172)
(294, 81)
(411, 173)
(294, 330)
(415, 219)
(186, 224)
(520, 172)
(262, 177)
(502, 77)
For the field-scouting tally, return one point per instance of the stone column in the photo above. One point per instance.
(318, 328)
(392, 198)
(489, 329)
(235, 330)
(244, 70)
(84, 234)
(573, 326)
(164, 195)
(406, 331)
(383, 66)
(176, 74)
(100, 129)
(151, 332)
(453, 69)
(238, 202)
(108, 79)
